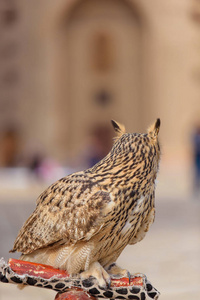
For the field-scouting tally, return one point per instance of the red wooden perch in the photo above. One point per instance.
(27, 273)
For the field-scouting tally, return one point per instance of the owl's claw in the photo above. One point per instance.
(129, 277)
(114, 270)
(97, 271)
(108, 282)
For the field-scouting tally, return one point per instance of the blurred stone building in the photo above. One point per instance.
(67, 66)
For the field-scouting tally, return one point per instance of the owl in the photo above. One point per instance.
(83, 221)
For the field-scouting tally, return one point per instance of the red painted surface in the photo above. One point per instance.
(39, 270)
(124, 281)
(74, 294)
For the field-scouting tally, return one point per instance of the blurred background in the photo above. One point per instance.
(68, 67)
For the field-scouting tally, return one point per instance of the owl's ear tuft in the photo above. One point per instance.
(153, 130)
(119, 128)
(157, 124)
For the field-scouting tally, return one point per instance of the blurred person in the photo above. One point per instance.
(45, 169)
(35, 164)
(196, 149)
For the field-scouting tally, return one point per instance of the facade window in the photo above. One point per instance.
(103, 98)
(102, 52)
(8, 12)
(10, 77)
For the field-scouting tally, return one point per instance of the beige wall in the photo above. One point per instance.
(155, 59)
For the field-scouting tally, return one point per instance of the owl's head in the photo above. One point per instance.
(144, 146)
(152, 131)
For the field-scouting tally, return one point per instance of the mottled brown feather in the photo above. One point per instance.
(91, 216)
(60, 215)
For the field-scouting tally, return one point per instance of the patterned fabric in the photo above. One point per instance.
(141, 290)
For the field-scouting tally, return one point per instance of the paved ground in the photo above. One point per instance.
(169, 255)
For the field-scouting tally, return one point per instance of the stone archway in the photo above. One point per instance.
(100, 74)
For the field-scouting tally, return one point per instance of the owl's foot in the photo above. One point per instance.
(97, 271)
(114, 270)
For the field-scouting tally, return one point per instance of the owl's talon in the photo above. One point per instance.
(114, 270)
(129, 277)
(108, 283)
(97, 271)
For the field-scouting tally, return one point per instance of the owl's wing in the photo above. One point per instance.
(64, 221)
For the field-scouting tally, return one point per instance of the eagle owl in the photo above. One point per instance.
(83, 221)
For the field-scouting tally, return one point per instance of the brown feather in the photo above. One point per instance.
(91, 216)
